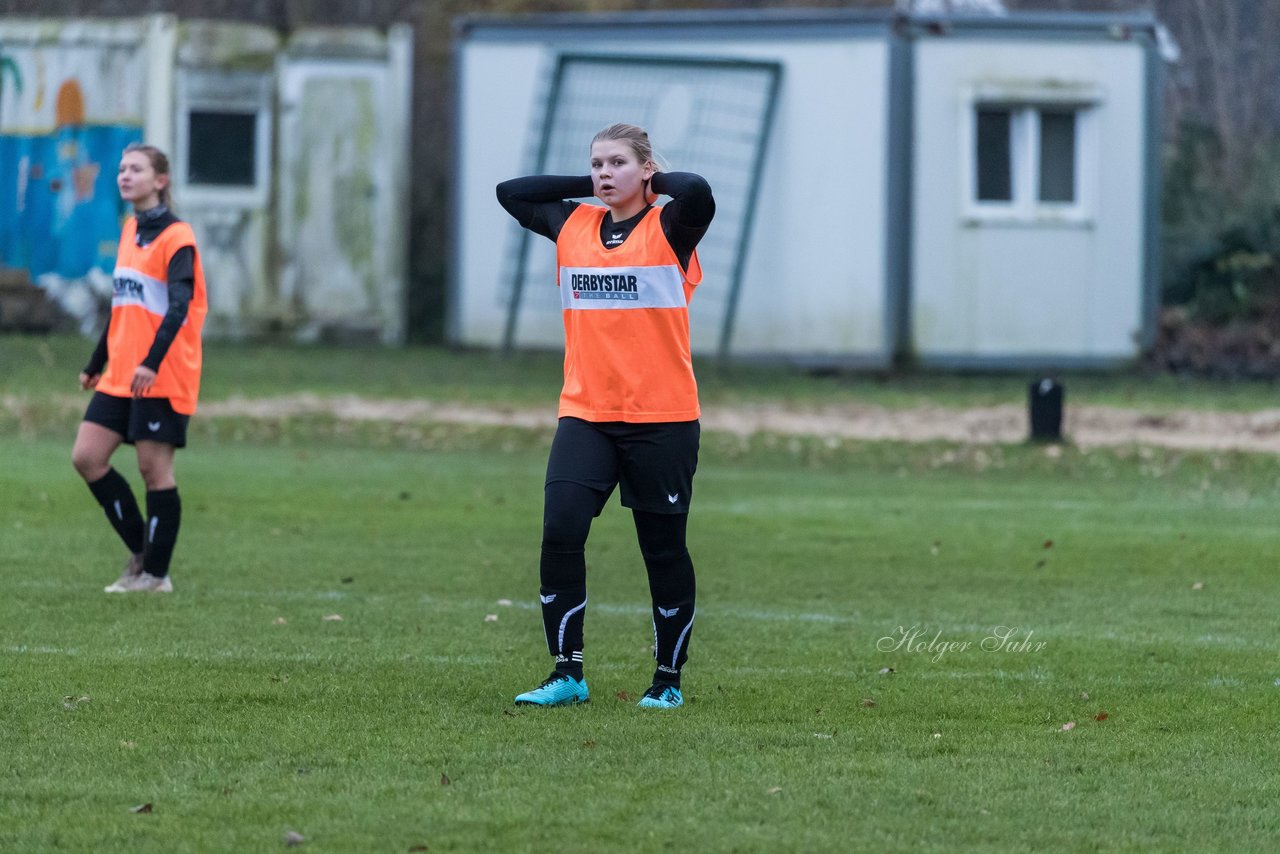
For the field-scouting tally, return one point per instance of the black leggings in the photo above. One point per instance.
(568, 512)
(566, 522)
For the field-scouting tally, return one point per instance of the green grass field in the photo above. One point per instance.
(38, 366)
(848, 688)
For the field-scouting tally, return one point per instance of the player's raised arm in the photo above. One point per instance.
(542, 203)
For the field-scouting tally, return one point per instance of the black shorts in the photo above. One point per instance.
(138, 418)
(653, 463)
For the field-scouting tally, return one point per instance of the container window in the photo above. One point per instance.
(994, 155)
(221, 148)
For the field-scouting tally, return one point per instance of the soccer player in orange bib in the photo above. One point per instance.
(629, 411)
(145, 372)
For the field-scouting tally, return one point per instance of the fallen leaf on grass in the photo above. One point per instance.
(589, 743)
(624, 696)
(128, 745)
(1101, 716)
(292, 838)
(774, 790)
(444, 780)
(886, 670)
(141, 808)
(279, 621)
(332, 618)
(491, 618)
(511, 713)
(867, 702)
(1068, 726)
(937, 735)
(1084, 695)
(1199, 585)
(1048, 544)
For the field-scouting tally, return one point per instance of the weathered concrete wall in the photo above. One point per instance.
(230, 67)
(308, 237)
(343, 161)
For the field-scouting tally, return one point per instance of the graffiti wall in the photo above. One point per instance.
(65, 115)
(289, 157)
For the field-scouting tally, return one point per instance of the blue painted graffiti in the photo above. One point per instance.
(61, 212)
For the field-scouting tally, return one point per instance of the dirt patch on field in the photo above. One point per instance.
(1086, 426)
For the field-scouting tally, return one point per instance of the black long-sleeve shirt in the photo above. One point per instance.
(181, 288)
(541, 203)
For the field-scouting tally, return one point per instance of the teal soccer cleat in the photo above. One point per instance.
(661, 697)
(556, 690)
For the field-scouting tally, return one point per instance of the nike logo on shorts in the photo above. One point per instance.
(153, 426)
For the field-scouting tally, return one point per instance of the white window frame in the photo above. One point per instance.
(223, 91)
(1026, 106)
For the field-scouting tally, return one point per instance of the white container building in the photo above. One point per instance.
(975, 191)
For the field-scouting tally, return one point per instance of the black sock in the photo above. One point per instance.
(672, 626)
(562, 570)
(564, 603)
(164, 516)
(570, 665)
(113, 493)
(663, 676)
(672, 585)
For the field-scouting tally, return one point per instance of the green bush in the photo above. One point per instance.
(1221, 247)
(1237, 278)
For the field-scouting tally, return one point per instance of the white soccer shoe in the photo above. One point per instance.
(132, 569)
(143, 582)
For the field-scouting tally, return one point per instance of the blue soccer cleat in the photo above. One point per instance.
(556, 690)
(661, 697)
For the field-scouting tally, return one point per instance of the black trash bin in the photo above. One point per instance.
(1045, 404)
